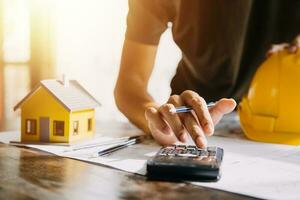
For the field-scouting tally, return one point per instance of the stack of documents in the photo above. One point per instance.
(88, 148)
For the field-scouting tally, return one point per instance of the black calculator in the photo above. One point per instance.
(186, 163)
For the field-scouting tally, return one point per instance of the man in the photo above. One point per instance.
(222, 43)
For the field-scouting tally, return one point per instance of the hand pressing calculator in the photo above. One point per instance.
(186, 163)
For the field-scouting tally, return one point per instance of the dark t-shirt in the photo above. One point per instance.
(222, 41)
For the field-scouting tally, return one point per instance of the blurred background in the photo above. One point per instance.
(42, 39)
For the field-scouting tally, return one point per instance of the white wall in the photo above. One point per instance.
(90, 35)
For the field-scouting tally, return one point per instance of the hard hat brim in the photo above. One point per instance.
(261, 128)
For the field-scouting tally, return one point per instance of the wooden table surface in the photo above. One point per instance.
(31, 174)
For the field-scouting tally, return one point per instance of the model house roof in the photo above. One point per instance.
(69, 93)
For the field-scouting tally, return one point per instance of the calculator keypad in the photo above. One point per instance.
(187, 151)
(186, 162)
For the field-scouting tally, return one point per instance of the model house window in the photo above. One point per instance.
(75, 127)
(30, 126)
(58, 128)
(90, 124)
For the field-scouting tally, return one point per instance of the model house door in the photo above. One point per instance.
(44, 129)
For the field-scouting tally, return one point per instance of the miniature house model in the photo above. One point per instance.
(57, 111)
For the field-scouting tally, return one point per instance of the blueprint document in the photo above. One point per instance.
(269, 171)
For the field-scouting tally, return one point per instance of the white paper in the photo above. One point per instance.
(262, 170)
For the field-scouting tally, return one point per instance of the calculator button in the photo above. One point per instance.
(192, 151)
(180, 149)
(211, 148)
(162, 153)
(171, 152)
(187, 155)
(212, 151)
(170, 147)
(202, 153)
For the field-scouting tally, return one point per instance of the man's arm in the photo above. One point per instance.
(130, 93)
(134, 101)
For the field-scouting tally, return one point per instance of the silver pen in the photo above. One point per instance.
(184, 109)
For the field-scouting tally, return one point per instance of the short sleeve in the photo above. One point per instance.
(146, 21)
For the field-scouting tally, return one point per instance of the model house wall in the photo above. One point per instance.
(84, 122)
(57, 111)
(40, 105)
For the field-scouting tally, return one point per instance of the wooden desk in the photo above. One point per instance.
(31, 174)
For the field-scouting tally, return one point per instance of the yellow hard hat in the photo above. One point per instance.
(270, 112)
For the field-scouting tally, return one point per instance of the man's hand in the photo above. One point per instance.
(168, 127)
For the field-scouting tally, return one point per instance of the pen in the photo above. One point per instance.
(111, 142)
(184, 109)
(119, 146)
